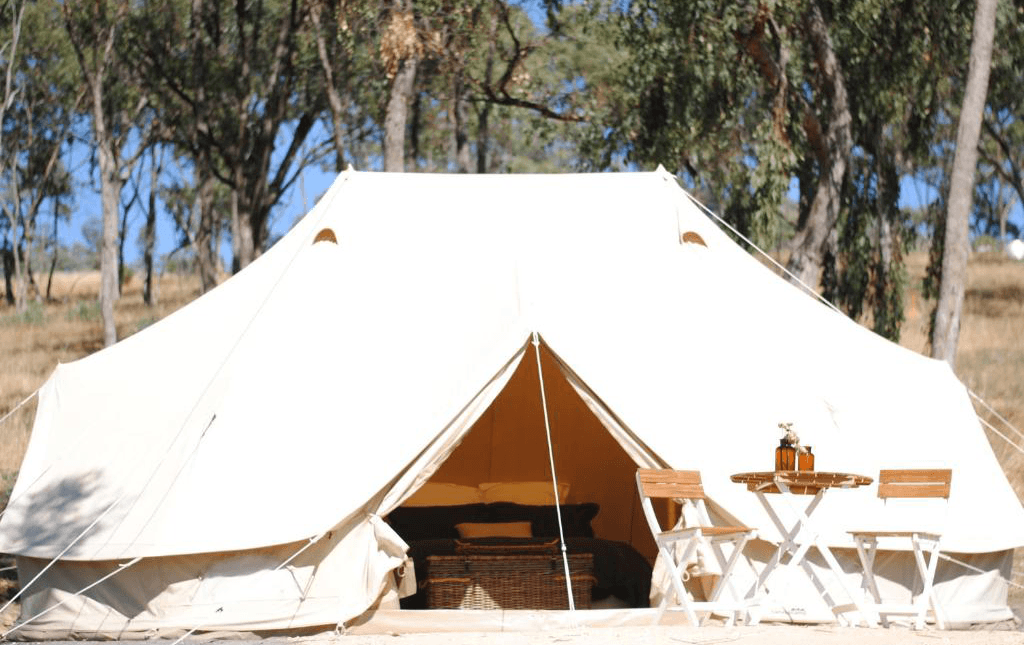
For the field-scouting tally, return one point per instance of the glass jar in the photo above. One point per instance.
(805, 459)
(785, 456)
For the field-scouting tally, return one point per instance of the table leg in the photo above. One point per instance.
(826, 554)
(798, 554)
(787, 546)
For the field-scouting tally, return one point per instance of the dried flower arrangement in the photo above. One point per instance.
(790, 436)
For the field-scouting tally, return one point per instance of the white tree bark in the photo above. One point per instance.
(953, 279)
(397, 115)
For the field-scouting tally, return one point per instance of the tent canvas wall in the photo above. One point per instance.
(230, 465)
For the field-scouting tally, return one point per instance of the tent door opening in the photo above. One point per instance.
(504, 459)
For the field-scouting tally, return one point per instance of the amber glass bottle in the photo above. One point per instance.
(785, 456)
(805, 459)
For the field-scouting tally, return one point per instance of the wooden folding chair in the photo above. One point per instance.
(907, 484)
(680, 485)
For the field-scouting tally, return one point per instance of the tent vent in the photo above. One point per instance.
(325, 235)
(692, 238)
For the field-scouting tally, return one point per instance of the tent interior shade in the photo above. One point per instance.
(508, 444)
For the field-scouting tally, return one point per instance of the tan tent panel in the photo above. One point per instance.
(234, 467)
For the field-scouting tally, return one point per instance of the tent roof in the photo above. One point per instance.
(278, 404)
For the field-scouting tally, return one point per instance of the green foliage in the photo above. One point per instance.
(687, 94)
(1000, 184)
(865, 270)
(732, 97)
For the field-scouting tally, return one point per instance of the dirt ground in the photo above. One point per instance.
(765, 634)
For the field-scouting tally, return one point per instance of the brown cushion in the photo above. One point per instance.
(493, 529)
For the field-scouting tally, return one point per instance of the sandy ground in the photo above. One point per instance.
(766, 634)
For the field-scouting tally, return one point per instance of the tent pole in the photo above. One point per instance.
(554, 476)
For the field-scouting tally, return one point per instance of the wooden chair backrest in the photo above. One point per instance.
(914, 483)
(681, 484)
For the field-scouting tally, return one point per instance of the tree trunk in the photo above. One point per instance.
(460, 124)
(19, 270)
(203, 205)
(149, 233)
(11, 258)
(110, 195)
(809, 242)
(110, 201)
(334, 100)
(30, 275)
(483, 113)
(396, 116)
(236, 232)
(246, 240)
(56, 247)
(122, 239)
(8, 261)
(953, 279)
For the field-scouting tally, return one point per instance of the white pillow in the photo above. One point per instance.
(439, 494)
(532, 493)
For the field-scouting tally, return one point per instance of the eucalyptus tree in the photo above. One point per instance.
(343, 34)
(527, 84)
(235, 85)
(896, 121)
(495, 90)
(953, 279)
(44, 97)
(1002, 139)
(745, 100)
(12, 20)
(114, 107)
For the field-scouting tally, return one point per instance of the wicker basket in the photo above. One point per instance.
(507, 581)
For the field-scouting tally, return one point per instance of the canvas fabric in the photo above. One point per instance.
(319, 387)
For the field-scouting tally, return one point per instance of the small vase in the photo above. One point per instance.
(805, 459)
(785, 456)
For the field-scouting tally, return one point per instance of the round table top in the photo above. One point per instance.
(804, 482)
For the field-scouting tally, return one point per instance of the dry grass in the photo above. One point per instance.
(990, 356)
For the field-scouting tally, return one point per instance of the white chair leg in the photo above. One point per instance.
(925, 598)
(928, 597)
(867, 548)
(677, 570)
(738, 545)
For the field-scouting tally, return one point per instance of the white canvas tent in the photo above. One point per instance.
(229, 466)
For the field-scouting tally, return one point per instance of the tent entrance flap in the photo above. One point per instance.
(595, 456)
(440, 449)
